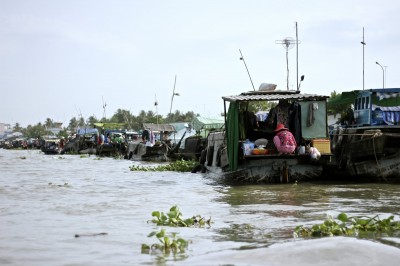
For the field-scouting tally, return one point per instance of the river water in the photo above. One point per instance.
(48, 199)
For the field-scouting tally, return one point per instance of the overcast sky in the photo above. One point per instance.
(60, 59)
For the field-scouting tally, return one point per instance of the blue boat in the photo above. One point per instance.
(367, 146)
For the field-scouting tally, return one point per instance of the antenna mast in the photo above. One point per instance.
(242, 58)
(297, 58)
(104, 107)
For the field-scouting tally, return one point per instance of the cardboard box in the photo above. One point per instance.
(322, 145)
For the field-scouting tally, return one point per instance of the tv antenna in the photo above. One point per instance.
(288, 44)
(104, 107)
(156, 105)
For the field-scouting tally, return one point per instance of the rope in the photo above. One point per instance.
(376, 157)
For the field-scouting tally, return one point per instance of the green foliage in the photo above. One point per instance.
(342, 109)
(261, 106)
(120, 116)
(349, 226)
(176, 166)
(36, 131)
(174, 218)
(168, 243)
(171, 242)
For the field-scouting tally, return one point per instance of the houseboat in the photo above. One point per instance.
(50, 145)
(368, 145)
(245, 151)
(84, 142)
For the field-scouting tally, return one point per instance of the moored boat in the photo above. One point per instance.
(152, 145)
(51, 146)
(232, 152)
(368, 147)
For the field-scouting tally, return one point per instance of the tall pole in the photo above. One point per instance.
(172, 98)
(297, 58)
(242, 58)
(287, 66)
(363, 43)
(383, 73)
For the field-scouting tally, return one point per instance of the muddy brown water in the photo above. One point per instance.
(46, 200)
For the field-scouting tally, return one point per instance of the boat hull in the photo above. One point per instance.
(271, 170)
(140, 152)
(367, 153)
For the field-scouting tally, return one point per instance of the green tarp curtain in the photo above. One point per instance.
(389, 102)
(233, 135)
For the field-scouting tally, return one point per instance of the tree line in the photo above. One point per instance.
(135, 122)
(131, 121)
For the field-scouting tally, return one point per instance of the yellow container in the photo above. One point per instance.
(322, 145)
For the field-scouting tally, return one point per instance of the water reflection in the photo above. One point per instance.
(272, 212)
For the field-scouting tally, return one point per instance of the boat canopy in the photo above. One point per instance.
(273, 96)
(84, 131)
(110, 125)
(200, 122)
(159, 127)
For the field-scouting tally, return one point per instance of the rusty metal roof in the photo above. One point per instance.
(273, 96)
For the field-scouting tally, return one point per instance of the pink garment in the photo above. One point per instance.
(285, 142)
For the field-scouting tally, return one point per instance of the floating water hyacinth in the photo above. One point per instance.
(349, 226)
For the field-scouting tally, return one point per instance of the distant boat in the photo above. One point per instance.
(152, 147)
(51, 146)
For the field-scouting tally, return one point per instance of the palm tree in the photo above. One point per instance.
(48, 123)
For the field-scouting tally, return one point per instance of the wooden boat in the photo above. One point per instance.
(151, 147)
(226, 150)
(369, 146)
(193, 138)
(84, 142)
(51, 146)
(116, 144)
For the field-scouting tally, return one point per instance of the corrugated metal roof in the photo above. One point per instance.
(273, 96)
(159, 127)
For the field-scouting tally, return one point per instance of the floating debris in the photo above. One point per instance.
(95, 234)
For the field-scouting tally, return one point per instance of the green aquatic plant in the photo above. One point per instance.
(349, 226)
(167, 243)
(118, 157)
(174, 218)
(176, 166)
